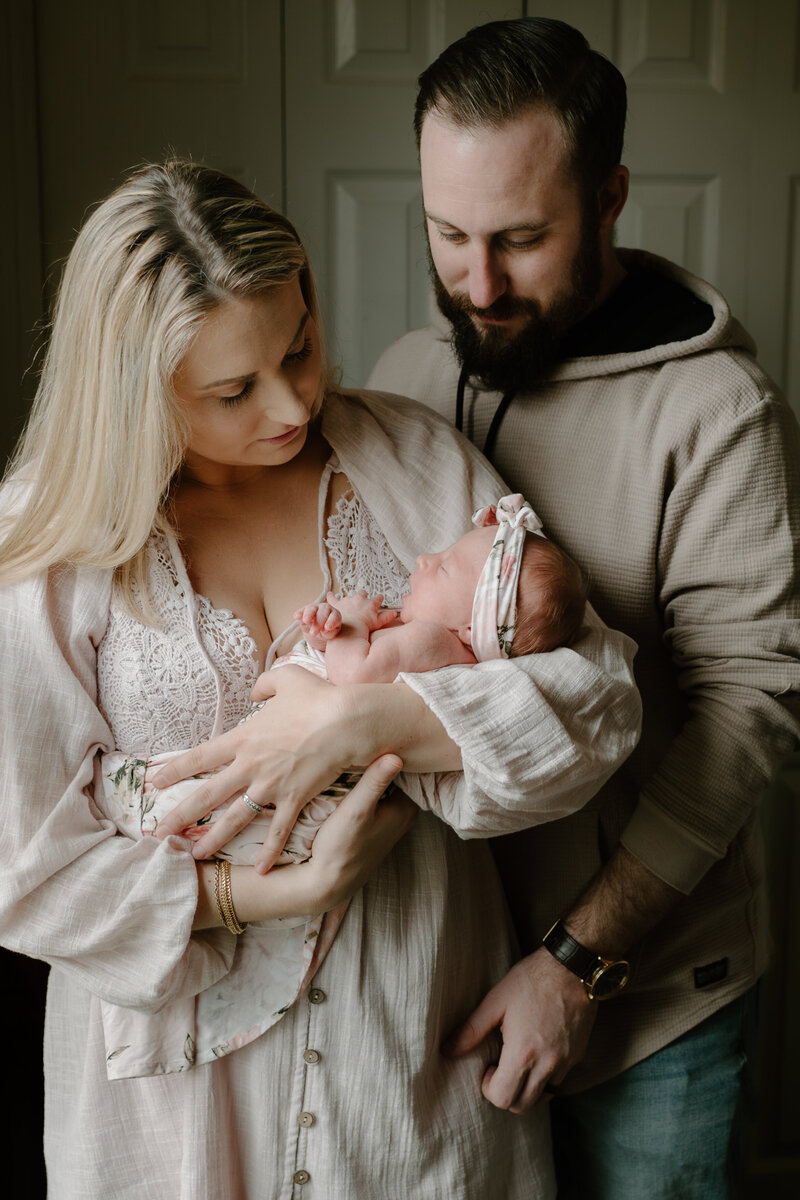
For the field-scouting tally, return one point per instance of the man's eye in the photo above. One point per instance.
(522, 244)
(452, 237)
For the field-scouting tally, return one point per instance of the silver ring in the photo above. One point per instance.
(251, 804)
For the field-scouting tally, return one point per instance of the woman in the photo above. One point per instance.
(175, 499)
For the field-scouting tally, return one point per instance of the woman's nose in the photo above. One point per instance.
(285, 405)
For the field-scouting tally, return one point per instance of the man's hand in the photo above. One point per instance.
(541, 1008)
(545, 1018)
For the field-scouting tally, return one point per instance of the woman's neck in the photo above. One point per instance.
(226, 479)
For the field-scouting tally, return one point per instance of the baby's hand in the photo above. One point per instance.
(319, 622)
(360, 609)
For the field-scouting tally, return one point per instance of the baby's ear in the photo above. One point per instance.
(464, 634)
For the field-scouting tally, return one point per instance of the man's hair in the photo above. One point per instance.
(500, 70)
(551, 598)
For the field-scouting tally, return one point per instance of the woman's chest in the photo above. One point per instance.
(261, 572)
(171, 685)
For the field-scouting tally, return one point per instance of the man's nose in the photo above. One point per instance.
(487, 279)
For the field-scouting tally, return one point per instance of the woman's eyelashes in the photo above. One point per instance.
(230, 401)
(291, 360)
(302, 354)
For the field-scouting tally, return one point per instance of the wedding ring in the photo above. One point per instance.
(251, 804)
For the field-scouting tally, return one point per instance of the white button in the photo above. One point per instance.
(305, 1119)
(312, 1056)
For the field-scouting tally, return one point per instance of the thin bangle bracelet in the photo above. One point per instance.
(224, 897)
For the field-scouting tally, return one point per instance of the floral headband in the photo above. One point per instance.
(494, 609)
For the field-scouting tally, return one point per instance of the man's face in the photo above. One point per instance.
(517, 255)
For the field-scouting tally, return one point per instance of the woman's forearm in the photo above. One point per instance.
(373, 719)
(284, 892)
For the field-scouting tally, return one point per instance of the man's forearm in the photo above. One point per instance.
(622, 903)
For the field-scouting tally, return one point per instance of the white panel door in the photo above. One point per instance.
(352, 184)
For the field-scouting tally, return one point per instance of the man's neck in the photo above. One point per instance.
(613, 275)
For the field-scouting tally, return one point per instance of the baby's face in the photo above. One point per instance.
(443, 585)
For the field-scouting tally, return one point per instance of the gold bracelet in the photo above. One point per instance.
(224, 897)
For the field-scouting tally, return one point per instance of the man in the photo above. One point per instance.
(620, 396)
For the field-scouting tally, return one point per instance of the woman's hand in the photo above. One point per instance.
(280, 758)
(355, 838)
(349, 846)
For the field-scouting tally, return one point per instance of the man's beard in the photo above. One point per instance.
(513, 364)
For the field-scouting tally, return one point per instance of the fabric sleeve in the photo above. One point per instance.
(539, 734)
(114, 914)
(730, 600)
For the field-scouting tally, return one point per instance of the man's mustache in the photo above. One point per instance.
(503, 308)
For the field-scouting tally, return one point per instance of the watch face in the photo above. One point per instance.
(608, 980)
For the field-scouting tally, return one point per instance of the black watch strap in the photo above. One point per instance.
(601, 977)
(571, 954)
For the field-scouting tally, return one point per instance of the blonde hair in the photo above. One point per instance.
(106, 435)
(551, 598)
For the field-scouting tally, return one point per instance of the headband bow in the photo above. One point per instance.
(494, 609)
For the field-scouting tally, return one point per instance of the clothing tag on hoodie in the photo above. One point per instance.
(710, 973)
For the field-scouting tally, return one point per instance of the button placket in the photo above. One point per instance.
(314, 1060)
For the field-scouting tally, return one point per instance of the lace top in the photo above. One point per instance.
(198, 667)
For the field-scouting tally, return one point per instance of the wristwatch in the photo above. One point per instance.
(602, 977)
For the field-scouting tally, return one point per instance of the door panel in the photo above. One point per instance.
(352, 183)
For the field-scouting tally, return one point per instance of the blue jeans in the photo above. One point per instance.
(663, 1129)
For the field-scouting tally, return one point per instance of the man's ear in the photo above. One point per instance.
(464, 634)
(612, 195)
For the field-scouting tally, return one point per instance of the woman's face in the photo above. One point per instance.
(249, 382)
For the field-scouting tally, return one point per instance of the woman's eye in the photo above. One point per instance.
(231, 401)
(300, 355)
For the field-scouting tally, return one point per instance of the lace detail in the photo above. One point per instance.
(361, 556)
(162, 688)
